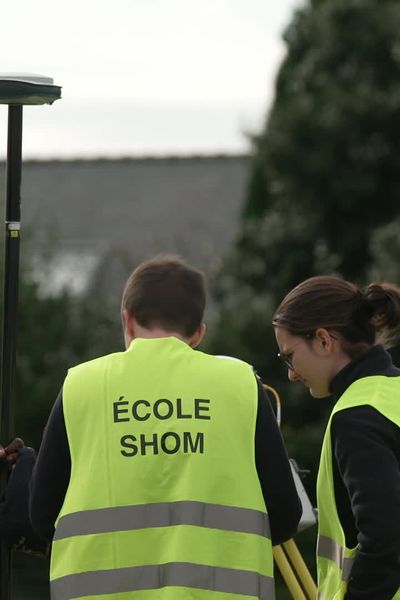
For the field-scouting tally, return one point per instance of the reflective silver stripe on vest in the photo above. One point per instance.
(216, 579)
(328, 548)
(163, 514)
(346, 568)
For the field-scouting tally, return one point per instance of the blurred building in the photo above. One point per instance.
(77, 214)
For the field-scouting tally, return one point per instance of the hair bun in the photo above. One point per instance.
(385, 304)
(364, 310)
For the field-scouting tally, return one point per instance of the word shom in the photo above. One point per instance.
(169, 443)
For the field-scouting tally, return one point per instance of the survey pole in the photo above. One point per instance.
(16, 90)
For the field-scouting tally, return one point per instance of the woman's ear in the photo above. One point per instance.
(324, 340)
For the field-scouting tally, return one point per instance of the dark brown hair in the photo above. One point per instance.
(168, 293)
(361, 317)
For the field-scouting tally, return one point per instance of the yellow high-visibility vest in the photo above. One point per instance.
(164, 500)
(334, 558)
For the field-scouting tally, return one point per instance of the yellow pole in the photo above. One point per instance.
(296, 570)
(287, 574)
(301, 569)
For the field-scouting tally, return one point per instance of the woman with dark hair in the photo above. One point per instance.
(333, 338)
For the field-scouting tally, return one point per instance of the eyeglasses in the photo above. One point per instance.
(287, 357)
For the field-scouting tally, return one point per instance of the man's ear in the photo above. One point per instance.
(197, 336)
(128, 325)
(324, 340)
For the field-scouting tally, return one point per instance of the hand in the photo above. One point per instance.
(9, 453)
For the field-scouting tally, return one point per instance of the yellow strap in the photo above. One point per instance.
(273, 391)
(296, 570)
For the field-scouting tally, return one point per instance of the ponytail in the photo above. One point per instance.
(382, 301)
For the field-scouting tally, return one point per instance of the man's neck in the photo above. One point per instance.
(155, 333)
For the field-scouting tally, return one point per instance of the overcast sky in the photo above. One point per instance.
(144, 77)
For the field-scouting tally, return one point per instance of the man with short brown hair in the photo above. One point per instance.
(162, 468)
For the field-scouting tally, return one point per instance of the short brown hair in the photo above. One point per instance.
(362, 317)
(166, 292)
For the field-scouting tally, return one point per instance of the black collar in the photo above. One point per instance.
(375, 361)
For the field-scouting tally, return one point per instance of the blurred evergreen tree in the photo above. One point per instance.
(331, 142)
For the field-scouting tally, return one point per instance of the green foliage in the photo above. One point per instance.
(257, 192)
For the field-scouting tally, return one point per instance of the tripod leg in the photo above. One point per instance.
(300, 567)
(287, 573)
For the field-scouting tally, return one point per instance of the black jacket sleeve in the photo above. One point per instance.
(51, 474)
(15, 527)
(274, 472)
(366, 448)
